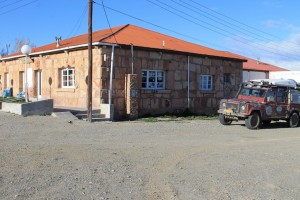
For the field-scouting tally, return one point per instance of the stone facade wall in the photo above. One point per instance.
(172, 99)
(50, 66)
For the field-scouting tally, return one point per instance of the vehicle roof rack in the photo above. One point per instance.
(273, 82)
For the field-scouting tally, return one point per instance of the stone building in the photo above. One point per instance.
(135, 72)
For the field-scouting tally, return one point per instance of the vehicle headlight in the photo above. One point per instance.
(243, 108)
(223, 105)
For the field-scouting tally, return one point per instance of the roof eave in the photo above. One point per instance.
(186, 53)
(58, 50)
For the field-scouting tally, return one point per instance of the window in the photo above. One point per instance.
(153, 79)
(226, 78)
(271, 96)
(67, 78)
(206, 82)
(295, 96)
(253, 92)
(281, 95)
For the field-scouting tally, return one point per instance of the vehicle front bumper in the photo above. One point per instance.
(230, 114)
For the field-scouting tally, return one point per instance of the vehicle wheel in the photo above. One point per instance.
(223, 120)
(293, 121)
(253, 121)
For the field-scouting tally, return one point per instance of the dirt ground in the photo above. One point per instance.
(44, 157)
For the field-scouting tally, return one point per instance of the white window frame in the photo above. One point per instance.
(69, 82)
(151, 79)
(206, 82)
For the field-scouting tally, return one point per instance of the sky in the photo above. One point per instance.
(266, 30)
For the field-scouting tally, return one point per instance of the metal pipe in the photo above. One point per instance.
(131, 58)
(26, 83)
(111, 74)
(188, 72)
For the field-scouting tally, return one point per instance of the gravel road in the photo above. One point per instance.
(44, 157)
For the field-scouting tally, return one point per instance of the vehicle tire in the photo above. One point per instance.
(223, 120)
(253, 121)
(293, 121)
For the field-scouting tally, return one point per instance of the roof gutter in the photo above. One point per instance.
(61, 49)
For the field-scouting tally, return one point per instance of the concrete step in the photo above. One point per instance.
(98, 115)
(81, 114)
(97, 111)
(95, 119)
(65, 115)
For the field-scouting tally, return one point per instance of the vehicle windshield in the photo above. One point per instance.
(255, 92)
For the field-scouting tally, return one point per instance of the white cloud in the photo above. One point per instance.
(280, 24)
(283, 53)
(272, 3)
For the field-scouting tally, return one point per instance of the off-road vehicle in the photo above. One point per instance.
(262, 101)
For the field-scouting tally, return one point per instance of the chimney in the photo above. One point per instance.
(58, 39)
(258, 62)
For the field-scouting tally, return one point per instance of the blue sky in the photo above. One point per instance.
(268, 30)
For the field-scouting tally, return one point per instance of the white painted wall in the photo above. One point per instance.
(29, 77)
(251, 75)
(286, 75)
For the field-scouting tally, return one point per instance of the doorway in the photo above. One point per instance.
(38, 76)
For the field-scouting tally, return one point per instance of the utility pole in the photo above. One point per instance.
(90, 62)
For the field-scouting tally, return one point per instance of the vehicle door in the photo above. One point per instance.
(268, 111)
(281, 108)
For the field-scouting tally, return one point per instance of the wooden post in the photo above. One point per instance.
(90, 62)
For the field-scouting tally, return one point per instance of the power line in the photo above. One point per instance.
(248, 30)
(167, 9)
(158, 26)
(3, 1)
(218, 20)
(253, 28)
(241, 42)
(11, 4)
(11, 10)
(262, 47)
(108, 22)
(275, 47)
(79, 21)
(178, 33)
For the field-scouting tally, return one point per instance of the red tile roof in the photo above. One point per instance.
(255, 65)
(130, 34)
